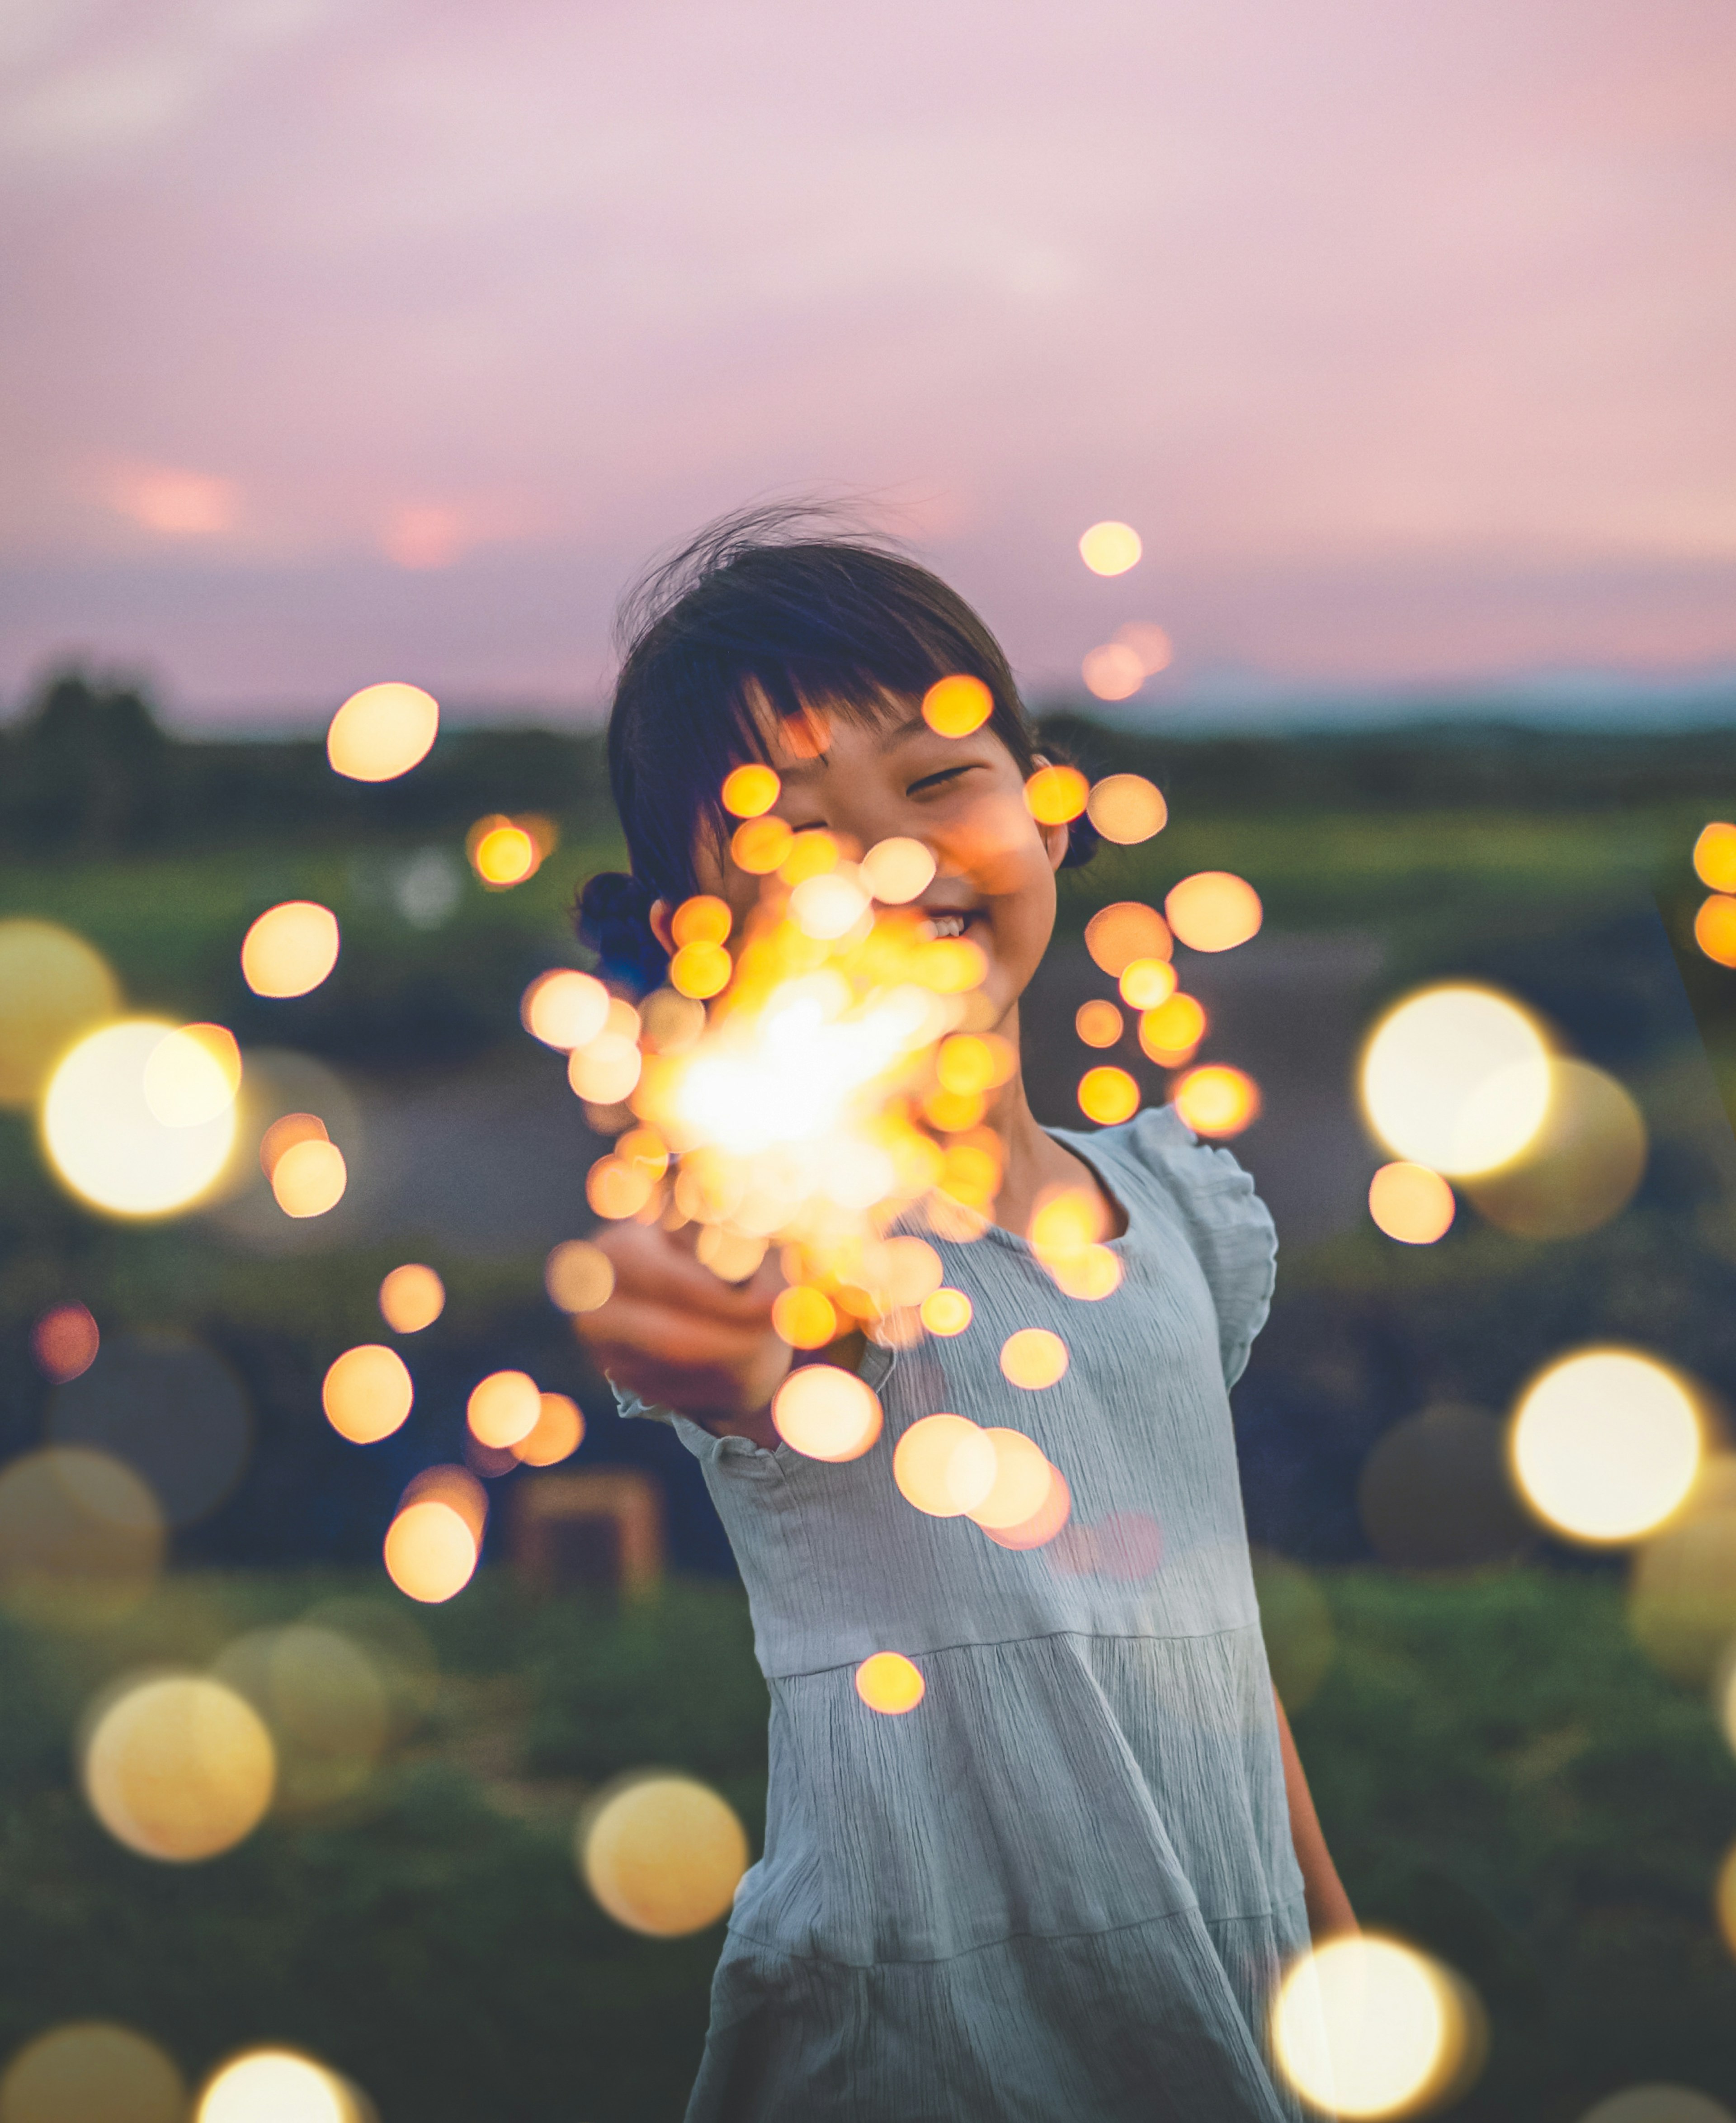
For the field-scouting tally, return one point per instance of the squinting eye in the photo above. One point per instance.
(935, 781)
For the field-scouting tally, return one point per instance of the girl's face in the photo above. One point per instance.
(962, 797)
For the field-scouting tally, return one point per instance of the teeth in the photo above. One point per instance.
(947, 925)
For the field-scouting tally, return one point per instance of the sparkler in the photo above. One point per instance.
(834, 1090)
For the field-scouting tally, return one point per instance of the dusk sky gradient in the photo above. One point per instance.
(348, 339)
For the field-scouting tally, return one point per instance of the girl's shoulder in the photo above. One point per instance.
(1227, 1228)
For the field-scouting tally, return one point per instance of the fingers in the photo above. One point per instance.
(655, 1266)
(631, 1325)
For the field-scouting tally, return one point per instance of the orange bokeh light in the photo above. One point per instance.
(1214, 911)
(1715, 929)
(1217, 1100)
(430, 1553)
(577, 1276)
(704, 919)
(1098, 1023)
(504, 1407)
(411, 1297)
(1149, 643)
(1411, 1203)
(826, 1413)
(309, 1177)
(1112, 671)
(889, 1683)
(750, 791)
(760, 846)
(284, 1134)
(1127, 809)
(366, 1393)
(382, 731)
(1044, 1524)
(1715, 856)
(1033, 1358)
(290, 948)
(955, 706)
(1118, 933)
(944, 1465)
(1021, 1484)
(564, 1009)
(556, 1435)
(1108, 1095)
(804, 1318)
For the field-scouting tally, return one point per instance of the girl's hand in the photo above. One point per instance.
(678, 1337)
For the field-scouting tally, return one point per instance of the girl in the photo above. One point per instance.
(1064, 1885)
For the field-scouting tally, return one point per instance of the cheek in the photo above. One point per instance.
(999, 849)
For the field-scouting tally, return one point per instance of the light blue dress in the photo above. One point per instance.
(1062, 1889)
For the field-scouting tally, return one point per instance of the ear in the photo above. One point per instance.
(1055, 839)
(663, 925)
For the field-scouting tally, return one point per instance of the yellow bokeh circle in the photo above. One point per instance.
(1715, 856)
(1127, 809)
(278, 2086)
(946, 1312)
(1110, 548)
(1365, 2027)
(956, 706)
(1055, 794)
(1214, 911)
(106, 1142)
(944, 1465)
(382, 731)
(93, 2071)
(1108, 1095)
(825, 1412)
(890, 1683)
(179, 1768)
(750, 791)
(663, 1855)
(291, 948)
(54, 985)
(1606, 1444)
(1458, 1078)
(897, 870)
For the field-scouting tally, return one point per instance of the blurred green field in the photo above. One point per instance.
(1502, 1775)
(1503, 1778)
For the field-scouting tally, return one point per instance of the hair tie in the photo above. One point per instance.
(613, 917)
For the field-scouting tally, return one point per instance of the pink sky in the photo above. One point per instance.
(347, 339)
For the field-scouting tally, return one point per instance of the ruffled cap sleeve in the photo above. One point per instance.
(1228, 1226)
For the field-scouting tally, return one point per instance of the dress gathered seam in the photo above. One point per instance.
(1016, 1937)
(1045, 1637)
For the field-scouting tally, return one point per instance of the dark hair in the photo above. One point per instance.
(762, 602)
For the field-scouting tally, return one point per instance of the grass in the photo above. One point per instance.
(1502, 1777)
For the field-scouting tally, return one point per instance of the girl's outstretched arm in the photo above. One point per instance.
(1328, 1906)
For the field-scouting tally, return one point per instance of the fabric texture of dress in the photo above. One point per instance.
(1062, 1889)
